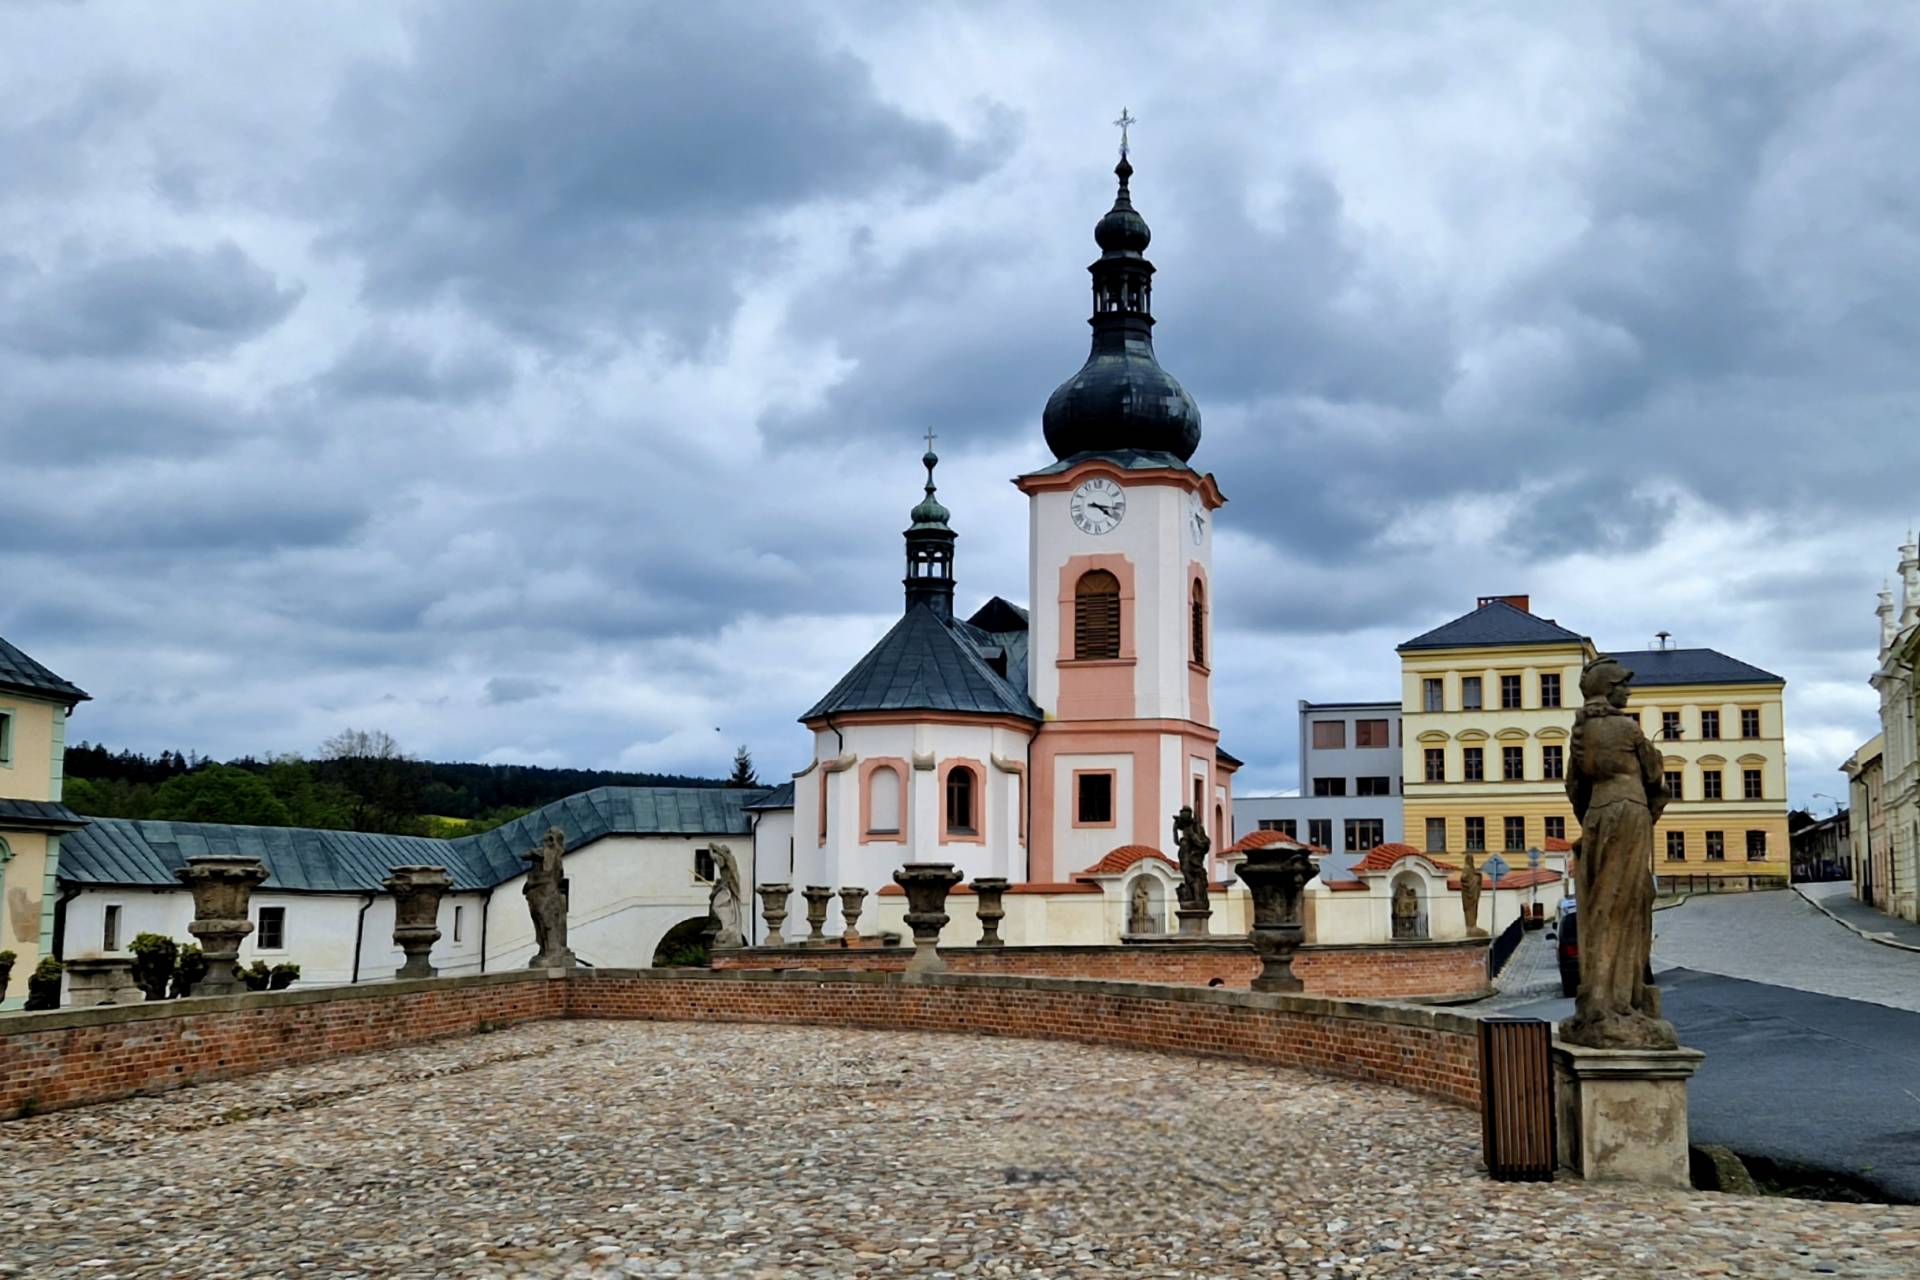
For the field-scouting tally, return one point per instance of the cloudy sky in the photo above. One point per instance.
(545, 382)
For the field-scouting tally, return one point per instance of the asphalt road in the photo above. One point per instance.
(1792, 1074)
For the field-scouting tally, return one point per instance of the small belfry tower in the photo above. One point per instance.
(1121, 545)
(930, 541)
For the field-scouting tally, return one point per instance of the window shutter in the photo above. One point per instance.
(1096, 615)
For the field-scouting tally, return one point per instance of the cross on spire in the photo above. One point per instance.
(929, 439)
(1126, 119)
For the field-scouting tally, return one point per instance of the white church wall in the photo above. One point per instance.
(1077, 847)
(774, 853)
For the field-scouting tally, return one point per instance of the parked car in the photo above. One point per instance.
(1567, 949)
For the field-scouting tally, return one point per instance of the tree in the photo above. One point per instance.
(220, 793)
(743, 774)
(383, 782)
(362, 744)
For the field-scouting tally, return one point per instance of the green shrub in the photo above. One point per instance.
(256, 976)
(43, 988)
(188, 970)
(6, 970)
(283, 976)
(154, 958)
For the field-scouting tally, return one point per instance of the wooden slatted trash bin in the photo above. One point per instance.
(1516, 1098)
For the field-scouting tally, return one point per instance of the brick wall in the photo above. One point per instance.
(1431, 970)
(72, 1057)
(1432, 1051)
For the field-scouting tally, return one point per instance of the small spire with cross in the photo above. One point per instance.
(1126, 120)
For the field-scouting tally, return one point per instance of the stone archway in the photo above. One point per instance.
(684, 946)
(1146, 899)
(1407, 911)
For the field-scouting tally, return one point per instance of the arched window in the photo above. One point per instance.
(960, 802)
(1096, 615)
(1199, 622)
(883, 801)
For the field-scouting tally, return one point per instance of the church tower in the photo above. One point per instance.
(1120, 563)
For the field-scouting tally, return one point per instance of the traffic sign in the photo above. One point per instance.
(1495, 866)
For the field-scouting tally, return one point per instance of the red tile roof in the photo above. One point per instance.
(1126, 855)
(1261, 839)
(1026, 886)
(1553, 845)
(1524, 878)
(1346, 886)
(1383, 856)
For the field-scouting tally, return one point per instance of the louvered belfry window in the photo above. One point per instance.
(1096, 615)
(1200, 624)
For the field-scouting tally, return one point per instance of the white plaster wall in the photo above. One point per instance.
(1355, 917)
(1078, 847)
(774, 852)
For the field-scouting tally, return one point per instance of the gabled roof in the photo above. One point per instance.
(37, 815)
(1118, 860)
(1383, 856)
(926, 663)
(998, 614)
(1655, 667)
(126, 851)
(1493, 623)
(21, 673)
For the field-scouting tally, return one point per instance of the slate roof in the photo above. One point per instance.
(781, 797)
(126, 851)
(38, 815)
(1654, 667)
(927, 663)
(1125, 459)
(1493, 623)
(19, 672)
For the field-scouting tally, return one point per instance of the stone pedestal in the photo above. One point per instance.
(1276, 876)
(416, 891)
(773, 909)
(852, 901)
(98, 980)
(1621, 1114)
(987, 892)
(1193, 921)
(817, 896)
(221, 887)
(927, 885)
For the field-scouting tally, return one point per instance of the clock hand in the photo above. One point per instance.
(1101, 506)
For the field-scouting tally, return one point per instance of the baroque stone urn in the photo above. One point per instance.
(987, 891)
(817, 896)
(416, 891)
(773, 909)
(221, 887)
(1277, 878)
(927, 885)
(852, 901)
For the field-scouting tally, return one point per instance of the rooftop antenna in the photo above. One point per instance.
(1663, 637)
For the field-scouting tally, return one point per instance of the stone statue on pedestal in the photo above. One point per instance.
(1406, 912)
(723, 901)
(1140, 908)
(1470, 881)
(1190, 838)
(547, 902)
(1614, 781)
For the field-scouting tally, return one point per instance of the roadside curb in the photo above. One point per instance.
(1817, 905)
(1680, 901)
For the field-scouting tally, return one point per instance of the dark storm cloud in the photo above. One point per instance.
(167, 304)
(385, 364)
(572, 168)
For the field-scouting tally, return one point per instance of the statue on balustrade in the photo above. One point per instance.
(723, 902)
(547, 902)
(1190, 838)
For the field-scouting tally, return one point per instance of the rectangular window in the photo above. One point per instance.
(1716, 846)
(1329, 735)
(1470, 693)
(1709, 724)
(1515, 833)
(1364, 833)
(1371, 733)
(1710, 782)
(270, 930)
(1376, 786)
(1283, 825)
(1510, 693)
(1553, 762)
(6, 738)
(1436, 834)
(1670, 724)
(703, 868)
(1556, 828)
(1750, 784)
(1550, 688)
(1676, 846)
(1749, 722)
(1473, 764)
(110, 929)
(1756, 846)
(1433, 695)
(1672, 778)
(1095, 803)
(1436, 764)
(1329, 786)
(1320, 832)
(1513, 763)
(459, 923)
(1477, 834)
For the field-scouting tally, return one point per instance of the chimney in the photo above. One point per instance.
(1523, 603)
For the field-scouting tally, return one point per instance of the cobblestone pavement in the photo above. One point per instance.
(1777, 937)
(604, 1150)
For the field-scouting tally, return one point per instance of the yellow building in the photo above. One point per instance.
(34, 705)
(1487, 703)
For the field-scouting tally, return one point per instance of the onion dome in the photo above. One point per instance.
(1122, 398)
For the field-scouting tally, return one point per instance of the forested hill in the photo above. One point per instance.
(361, 783)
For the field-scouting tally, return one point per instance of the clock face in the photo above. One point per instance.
(1098, 505)
(1196, 518)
